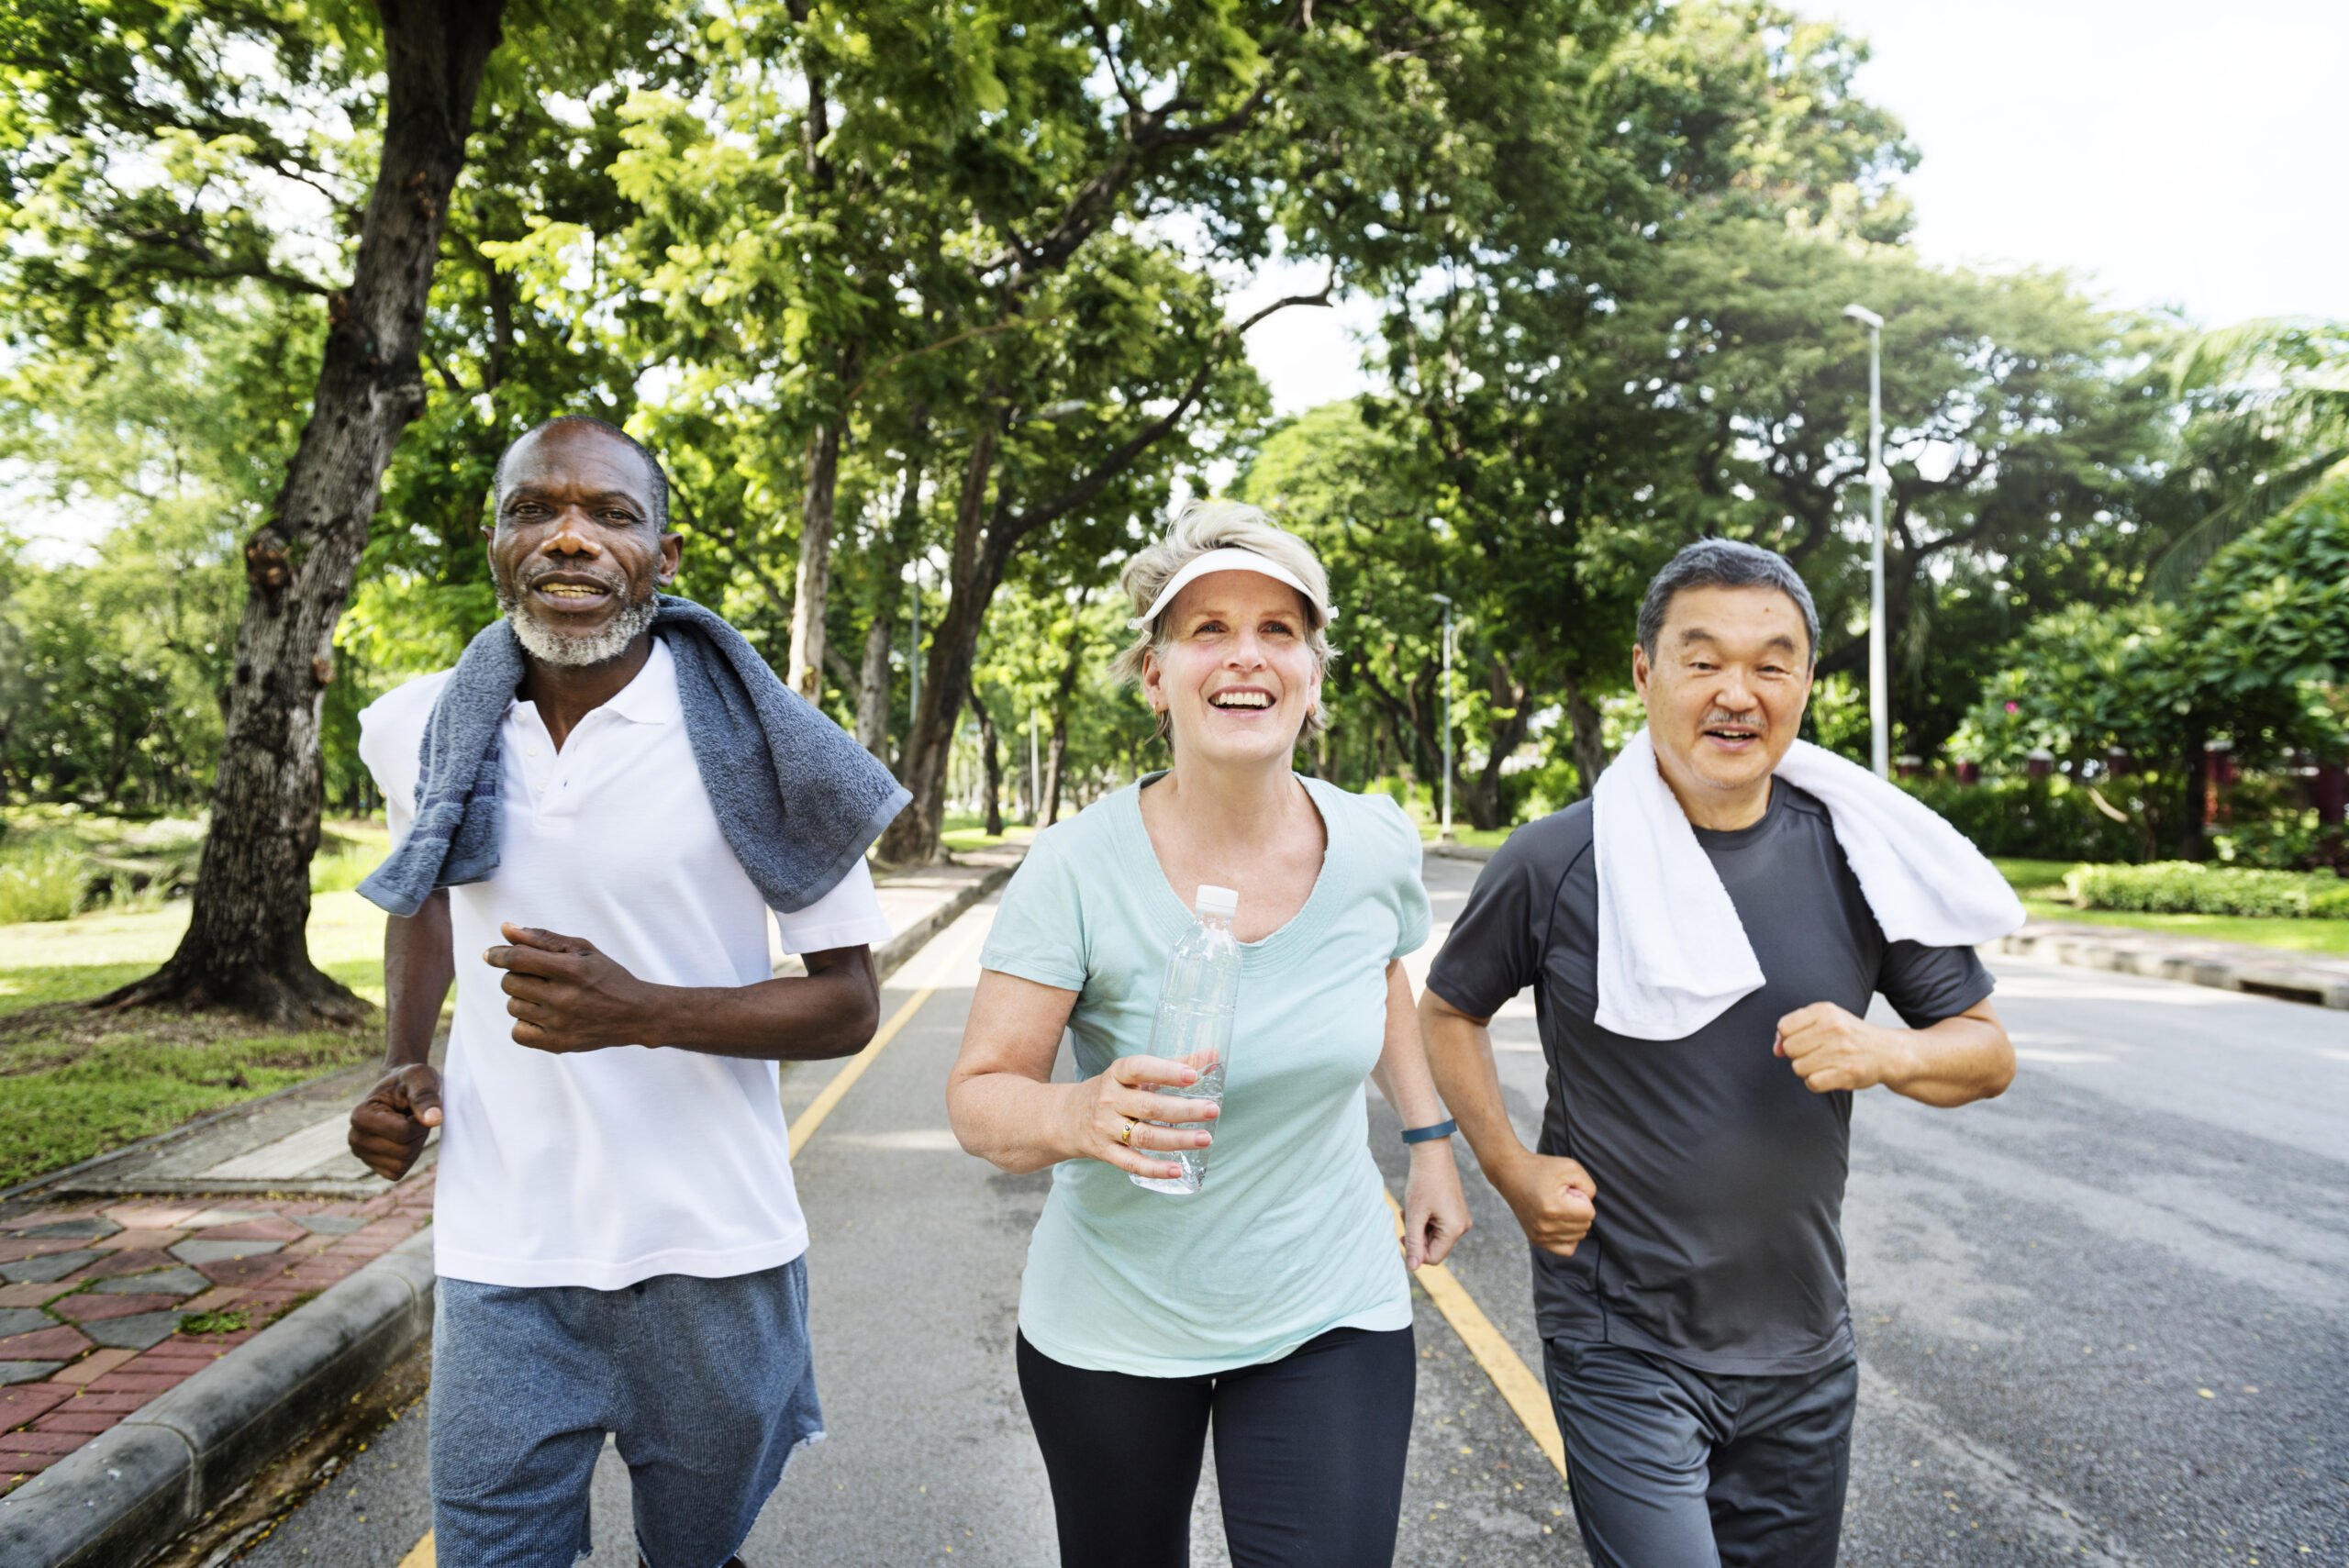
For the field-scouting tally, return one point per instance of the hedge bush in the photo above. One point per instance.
(2039, 819)
(2183, 887)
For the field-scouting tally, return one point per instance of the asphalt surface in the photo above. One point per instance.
(2101, 1320)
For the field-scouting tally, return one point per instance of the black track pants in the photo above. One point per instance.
(1308, 1454)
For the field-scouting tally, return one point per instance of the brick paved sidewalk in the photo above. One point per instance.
(96, 1294)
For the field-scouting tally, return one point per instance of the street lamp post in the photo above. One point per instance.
(1035, 772)
(913, 657)
(1879, 693)
(1445, 833)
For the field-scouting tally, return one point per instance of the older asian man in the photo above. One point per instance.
(1685, 1203)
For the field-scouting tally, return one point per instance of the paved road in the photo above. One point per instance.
(2101, 1320)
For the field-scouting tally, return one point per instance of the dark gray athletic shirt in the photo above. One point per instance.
(1718, 1240)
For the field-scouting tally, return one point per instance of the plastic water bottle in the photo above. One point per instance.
(1194, 1023)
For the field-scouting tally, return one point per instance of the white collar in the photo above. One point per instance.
(651, 695)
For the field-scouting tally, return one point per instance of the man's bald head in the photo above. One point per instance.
(656, 481)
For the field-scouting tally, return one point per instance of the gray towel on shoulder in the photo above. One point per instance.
(798, 800)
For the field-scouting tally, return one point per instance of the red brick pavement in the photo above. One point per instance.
(44, 1421)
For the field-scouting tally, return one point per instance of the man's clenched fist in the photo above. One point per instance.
(564, 994)
(389, 1130)
(1831, 1049)
(1553, 1199)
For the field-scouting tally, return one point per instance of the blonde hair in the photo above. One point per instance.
(1203, 526)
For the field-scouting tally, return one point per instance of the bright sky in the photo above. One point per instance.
(2166, 152)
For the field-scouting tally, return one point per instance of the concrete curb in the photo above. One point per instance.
(2054, 944)
(135, 1488)
(892, 954)
(132, 1491)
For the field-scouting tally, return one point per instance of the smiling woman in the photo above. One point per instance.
(1190, 588)
(1269, 1302)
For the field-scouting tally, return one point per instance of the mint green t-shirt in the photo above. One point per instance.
(1290, 1236)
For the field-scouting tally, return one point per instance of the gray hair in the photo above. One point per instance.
(1723, 563)
(1197, 529)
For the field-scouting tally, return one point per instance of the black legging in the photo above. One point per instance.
(1308, 1454)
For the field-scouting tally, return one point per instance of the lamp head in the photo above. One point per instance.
(1864, 315)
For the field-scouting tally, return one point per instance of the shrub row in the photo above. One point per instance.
(2048, 819)
(2182, 888)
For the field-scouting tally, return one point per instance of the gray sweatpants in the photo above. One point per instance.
(1675, 1468)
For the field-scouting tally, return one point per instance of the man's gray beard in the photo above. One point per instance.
(577, 652)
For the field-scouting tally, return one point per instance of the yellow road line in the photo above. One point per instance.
(1518, 1385)
(845, 1079)
(422, 1554)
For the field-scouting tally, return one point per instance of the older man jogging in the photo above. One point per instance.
(1702, 939)
(592, 815)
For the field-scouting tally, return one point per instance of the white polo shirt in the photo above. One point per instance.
(607, 1167)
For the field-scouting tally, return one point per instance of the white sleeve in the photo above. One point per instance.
(391, 731)
(849, 916)
(380, 751)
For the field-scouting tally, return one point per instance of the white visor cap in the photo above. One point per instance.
(1231, 558)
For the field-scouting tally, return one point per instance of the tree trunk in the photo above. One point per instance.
(1481, 796)
(2193, 819)
(873, 686)
(1590, 737)
(991, 766)
(811, 587)
(804, 672)
(1058, 755)
(872, 695)
(912, 838)
(244, 947)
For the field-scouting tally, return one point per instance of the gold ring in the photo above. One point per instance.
(1126, 1136)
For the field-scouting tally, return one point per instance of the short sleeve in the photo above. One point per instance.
(1039, 931)
(1412, 914)
(849, 916)
(1495, 948)
(1927, 984)
(391, 735)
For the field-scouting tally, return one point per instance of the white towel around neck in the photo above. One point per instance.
(1672, 954)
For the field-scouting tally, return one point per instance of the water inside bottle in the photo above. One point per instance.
(1194, 1160)
(1194, 1027)
(1193, 1031)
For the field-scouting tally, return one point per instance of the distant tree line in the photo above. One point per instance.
(929, 310)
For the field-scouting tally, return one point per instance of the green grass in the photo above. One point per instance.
(75, 1084)
(2328, 939)
(347, 853)
(59, 960)
(56, 861)
(40, 878)
(111, 1092)
(2031, 878)
(962, 832)
(2041, 885)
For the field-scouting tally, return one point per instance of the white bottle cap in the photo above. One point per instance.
(1213, 900)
